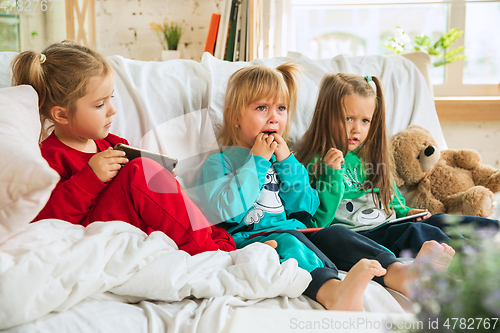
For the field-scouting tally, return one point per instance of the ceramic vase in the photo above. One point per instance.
(170, 55)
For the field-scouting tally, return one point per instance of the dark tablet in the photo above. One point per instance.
(167, 162)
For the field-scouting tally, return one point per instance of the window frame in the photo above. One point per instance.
(452, 86)
(16, 19)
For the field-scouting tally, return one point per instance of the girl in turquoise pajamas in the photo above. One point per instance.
(259, 192)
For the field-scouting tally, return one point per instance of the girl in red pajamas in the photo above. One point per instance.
(75, 86)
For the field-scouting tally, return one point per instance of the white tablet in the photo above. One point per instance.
(407, 218)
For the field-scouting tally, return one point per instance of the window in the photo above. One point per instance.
(325, 28)
(9, 33)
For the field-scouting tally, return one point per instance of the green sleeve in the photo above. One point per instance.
(399, 204)
(330, 190)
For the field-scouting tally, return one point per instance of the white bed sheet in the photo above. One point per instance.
(111, 277)
(54, 265)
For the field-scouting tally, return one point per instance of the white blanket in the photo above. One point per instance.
(60, 277)
(53, 265)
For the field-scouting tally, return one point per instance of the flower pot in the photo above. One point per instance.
(170, 54)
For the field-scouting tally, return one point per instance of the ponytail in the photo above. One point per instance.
(60, 75)
(375, 150)
(27, 69)
(290, 74)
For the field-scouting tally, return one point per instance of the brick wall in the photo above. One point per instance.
(122, 26)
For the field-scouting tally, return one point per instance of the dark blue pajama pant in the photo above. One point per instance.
(411, 235)
(339, 248)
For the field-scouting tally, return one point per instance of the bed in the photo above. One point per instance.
(112, 277)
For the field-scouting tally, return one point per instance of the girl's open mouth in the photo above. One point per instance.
(269, 132)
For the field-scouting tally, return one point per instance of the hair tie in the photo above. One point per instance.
(42, 58)
(368, 78)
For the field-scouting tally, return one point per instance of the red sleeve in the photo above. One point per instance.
(78, 188)
(72, 197)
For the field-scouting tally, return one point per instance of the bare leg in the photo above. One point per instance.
(438, 256)
(347, 295)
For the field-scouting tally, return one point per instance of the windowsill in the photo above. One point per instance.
(468, 108)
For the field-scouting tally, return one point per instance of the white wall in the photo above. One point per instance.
(478, 135)
(122, 26)
(32, 22)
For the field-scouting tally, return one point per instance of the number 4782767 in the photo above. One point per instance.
(27, 5)
(471, 323)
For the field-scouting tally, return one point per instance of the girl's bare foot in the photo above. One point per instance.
(399, 275)
(347, 295)
(439, 256)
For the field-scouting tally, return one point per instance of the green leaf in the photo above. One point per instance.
(454, 51)
(423, 40)
(438, 49)
(455, 58)
(434, 52)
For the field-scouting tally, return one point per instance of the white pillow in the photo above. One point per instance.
(5, 68)
(26, 178)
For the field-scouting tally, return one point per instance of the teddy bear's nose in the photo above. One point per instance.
(429, 151)
(367, 211)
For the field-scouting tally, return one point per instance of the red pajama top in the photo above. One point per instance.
(78, 189)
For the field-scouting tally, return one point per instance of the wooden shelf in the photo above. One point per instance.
(468, 108)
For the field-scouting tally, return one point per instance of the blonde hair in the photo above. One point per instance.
(60, 75)
(328, 129)
(253, 83)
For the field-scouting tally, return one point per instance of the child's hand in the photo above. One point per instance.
(334, 158)
(106, 164)
(282, 152)
(264, 146)
(417, 211)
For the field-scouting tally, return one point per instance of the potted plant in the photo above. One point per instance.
(169, 33)
(441, 49)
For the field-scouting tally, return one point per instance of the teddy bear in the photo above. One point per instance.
(448, 181)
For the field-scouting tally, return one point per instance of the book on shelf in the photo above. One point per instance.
(220, 44)
(242, 32)
(231, 39)
(212, 33)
